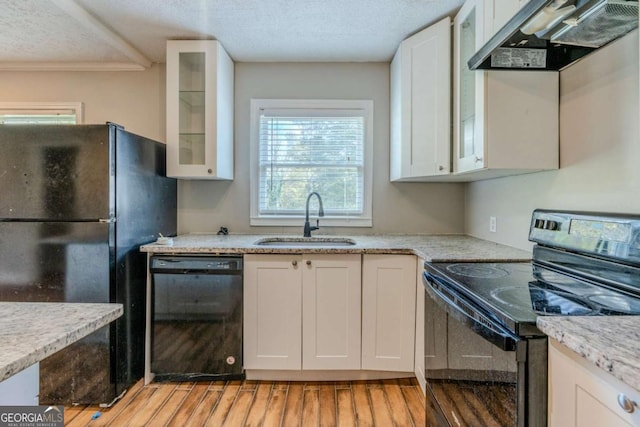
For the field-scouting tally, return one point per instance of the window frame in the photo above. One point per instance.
(314, 106)
(45, 108)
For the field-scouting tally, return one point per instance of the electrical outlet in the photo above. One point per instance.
(493, 224)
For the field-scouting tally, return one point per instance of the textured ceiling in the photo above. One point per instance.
(135, 31)
(41, 31)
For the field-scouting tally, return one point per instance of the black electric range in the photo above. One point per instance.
(517, 293)
(583, 264)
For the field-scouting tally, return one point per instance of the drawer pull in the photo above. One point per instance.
(308, 262)
(626, 404)
(294, 262)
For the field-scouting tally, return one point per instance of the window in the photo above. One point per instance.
(40, 113)
(300, 146)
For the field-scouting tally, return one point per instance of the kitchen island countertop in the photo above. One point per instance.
(432, 248)
(29, 332)
(611, 343)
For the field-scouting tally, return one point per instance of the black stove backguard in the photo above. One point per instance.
(613, 237)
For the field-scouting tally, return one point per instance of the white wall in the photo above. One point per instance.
(599, 151)
(397, 208)
(133, 99)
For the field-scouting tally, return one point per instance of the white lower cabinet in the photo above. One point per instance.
(302, 312)
(388, 312)
(331, 312)
(581, 394)
(272, 312)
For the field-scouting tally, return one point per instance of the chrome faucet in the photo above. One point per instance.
(307, 227)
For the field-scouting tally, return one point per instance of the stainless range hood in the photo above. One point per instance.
(552, 34)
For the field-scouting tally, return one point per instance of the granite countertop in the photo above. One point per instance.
(29, 332)
(610, 342)
(433, 248)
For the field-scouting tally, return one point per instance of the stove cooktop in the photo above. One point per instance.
(515, 295)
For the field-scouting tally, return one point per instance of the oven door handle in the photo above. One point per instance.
(479, 323)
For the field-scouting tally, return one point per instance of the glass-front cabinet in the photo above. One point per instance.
(468, 89)
(199, 110)
(504, 122)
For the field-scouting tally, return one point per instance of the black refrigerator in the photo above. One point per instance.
(77, 201)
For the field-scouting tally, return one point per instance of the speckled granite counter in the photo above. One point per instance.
(29, 332)
(609, 342)
(434, 248)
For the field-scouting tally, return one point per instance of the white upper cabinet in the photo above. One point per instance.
(199, 110)
(505, 122)
(498, 13)
(420, 105)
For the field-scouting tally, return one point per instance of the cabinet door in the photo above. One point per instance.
(583, 395)
(331, 301)
(199, 110)
(498, 13)
(468, 128)
(272, 312)
(388, 312)
(420, 104)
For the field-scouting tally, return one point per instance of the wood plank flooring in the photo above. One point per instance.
(384, 403)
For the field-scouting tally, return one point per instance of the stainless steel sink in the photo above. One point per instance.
(305, 241)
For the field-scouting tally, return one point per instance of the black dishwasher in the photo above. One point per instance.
(196, 318)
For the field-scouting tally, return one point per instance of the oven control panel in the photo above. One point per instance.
(613, 236)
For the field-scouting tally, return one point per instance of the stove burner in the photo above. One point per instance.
(512, 296)
(543, 301)
(546, 302)
(617, 303)
(481, 271)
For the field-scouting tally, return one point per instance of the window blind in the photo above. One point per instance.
(318, 150)
(39, 117)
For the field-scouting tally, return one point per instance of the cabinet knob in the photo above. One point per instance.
(294, 262)
(478, 159)
(308, 262)
(626, 404)
(210, 171)
(440, 168)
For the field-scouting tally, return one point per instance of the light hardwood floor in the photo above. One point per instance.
(261, 403)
